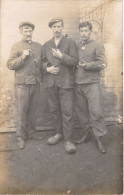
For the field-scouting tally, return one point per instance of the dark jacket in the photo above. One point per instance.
(65, 77)
(95, 60)
(27, 71)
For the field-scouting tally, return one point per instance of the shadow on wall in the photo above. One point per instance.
(109, 103)
(44, 118)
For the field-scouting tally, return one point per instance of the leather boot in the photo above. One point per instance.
(100, 146)
(70, 147)
(55, 139)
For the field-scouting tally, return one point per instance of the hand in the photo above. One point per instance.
(35, 61)
(26, 53)
(53, 69)
(57, 53)
(82, 63)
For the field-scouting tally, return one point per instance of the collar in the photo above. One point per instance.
(85, 42)
(29, 42)
(53, 41)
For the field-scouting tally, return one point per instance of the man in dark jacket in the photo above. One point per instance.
(87, 86)
(25, 60)
(60, 57)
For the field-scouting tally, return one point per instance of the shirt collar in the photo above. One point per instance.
(60, 39)
(53, 41)
(83, 43)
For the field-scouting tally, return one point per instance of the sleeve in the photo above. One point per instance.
(71, 59)
(15, 61)
(100, 62)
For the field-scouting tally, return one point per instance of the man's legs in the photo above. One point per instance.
(22, 102)
(26, 110)
(92, 92)
(67, 108)
(55, 110)
(82, 112)
(32, 112)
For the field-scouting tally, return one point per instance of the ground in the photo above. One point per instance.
(44, 169)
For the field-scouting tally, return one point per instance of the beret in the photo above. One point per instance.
(24, 23)
(54, 20)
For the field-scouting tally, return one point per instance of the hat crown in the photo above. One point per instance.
(26, 23)
(54, 20)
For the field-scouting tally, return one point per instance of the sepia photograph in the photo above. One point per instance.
(61, 97)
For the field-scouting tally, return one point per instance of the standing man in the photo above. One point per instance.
(87, 86)
(25, 60)
(60, 56)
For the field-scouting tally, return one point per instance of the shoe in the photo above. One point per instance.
(70, 147)
(100, 146)
(55, 139)
(84, 139)
(21, 143)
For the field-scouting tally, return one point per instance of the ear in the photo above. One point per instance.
(21, 30)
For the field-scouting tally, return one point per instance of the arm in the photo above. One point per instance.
(100, 62)
(72, 58)
(15, 61)
(43, 59)
(45, 66)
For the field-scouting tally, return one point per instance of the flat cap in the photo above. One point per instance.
(54, 20)
(24, 23)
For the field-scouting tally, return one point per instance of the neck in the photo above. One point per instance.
(57, 38)
(85, 41)
(29, 41)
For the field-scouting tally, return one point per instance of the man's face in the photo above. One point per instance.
(85, 33)
(26, 32)
(57, 29)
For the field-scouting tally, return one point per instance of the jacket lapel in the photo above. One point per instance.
(59, 43)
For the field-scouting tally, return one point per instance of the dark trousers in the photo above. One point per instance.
(61, 107)
(89, 108)
(26, 109)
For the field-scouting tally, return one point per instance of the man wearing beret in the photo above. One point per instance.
(25, 60)
(60, 57)
(92, 60)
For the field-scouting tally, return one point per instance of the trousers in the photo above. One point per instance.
(26, 109)
(89, 108)
(61, 107)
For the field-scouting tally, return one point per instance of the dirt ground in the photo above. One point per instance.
(44, 169)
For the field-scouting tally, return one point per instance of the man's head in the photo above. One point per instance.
(56, 24)
(85, 29)
(26, 30)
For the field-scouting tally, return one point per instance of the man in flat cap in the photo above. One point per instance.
(60, 57)
(25, 60)
(92, 60)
